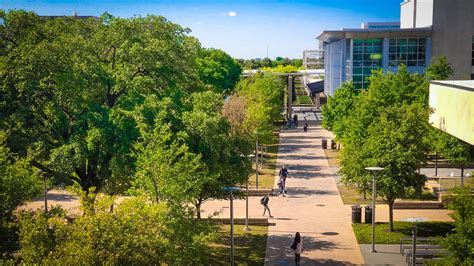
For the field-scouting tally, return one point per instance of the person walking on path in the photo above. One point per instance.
(297, 246)
(264, 201)
(281, 186)
(283, 174)
(305, 127)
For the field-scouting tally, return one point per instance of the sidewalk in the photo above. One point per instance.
(313, 207)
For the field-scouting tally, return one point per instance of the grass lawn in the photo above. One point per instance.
(363, 232)
(249, 246)
(304, 99)
(266, 175)
(350, 195)
(333, 156)
(449, 183)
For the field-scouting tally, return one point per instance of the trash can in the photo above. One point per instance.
(324, 143)
(333, 144)
(368, 214)
(356, 214)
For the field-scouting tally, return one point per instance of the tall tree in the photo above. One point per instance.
(218, 70)
(338, 108)
(71, 85)
(221, 152)
(387, 126)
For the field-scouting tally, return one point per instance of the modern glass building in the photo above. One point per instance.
(428, 28)
(352, 54)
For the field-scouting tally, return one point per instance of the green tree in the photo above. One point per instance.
(71, 87)
(218, 70)
(18, 182)
(338, 108)
(387, 126)
(461, 242)
(264, 95)
(455, 150)
(439, 69)
(137, 232)
(209, 136)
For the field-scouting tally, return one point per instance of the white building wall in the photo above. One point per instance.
(424, 13)
(334, 66)
(406, 14)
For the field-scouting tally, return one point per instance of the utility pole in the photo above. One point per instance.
(256, 160)
(290, 98)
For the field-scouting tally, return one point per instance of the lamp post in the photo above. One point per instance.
(247, 228)
(256, 160)
(230, 190)
(374, 195)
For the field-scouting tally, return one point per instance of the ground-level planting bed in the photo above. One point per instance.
(249, 246)
(363, 232)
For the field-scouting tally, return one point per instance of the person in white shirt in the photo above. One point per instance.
(299, 247)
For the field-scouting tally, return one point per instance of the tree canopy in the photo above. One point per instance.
(218, 70)
(383, 126)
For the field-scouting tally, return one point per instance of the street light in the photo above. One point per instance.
(247, 228)
(374, 195)
(230, 190)
(256, 160)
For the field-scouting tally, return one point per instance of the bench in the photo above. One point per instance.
(409, 239)
(419, 248)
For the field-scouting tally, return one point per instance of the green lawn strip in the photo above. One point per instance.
(304, 99)
(266, 174)
(249, 246)
(350, 195)
(363, 232)
(333, 156)
(449, 183)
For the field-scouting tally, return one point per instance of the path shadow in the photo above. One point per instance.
(298, 193)
(308, 175)
(57, 197)
(301, 157)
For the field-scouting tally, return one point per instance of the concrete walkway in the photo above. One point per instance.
(313, 207)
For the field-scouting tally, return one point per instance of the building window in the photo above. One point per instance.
(407, 51)
(472, 54)
(366, 56)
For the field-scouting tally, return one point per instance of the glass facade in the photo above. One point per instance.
(366, 56)
(407, 51)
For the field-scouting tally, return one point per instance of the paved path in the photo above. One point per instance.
(313, 207)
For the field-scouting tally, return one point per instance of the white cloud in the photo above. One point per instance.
(200, 22)
(232, 14)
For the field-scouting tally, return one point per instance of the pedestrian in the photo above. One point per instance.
(297, 246)
(264, 201)
(283, 174)
(305, 127)
(281, 186)
(295, 120)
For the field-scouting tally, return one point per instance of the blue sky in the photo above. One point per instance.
(245, 28)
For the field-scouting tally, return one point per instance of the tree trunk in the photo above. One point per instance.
(390, 213)
(462, 170)
(436, 164)
(198, 204)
